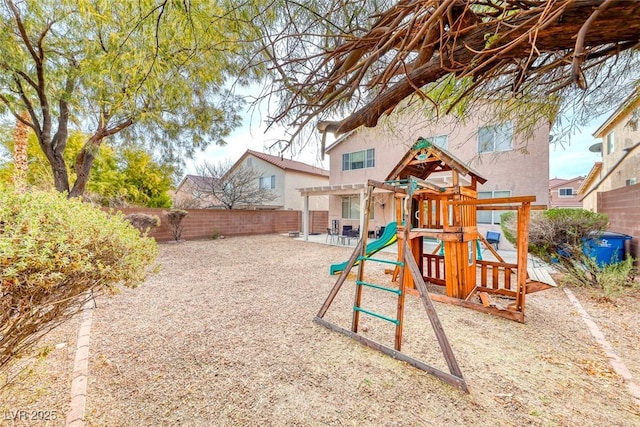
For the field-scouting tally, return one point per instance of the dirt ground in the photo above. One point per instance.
(223, 335)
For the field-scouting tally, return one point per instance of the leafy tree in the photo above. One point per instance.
(233, 187)
(145, 70)
(362, 60)
(120, 174)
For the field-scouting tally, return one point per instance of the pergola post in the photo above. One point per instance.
(305, 217)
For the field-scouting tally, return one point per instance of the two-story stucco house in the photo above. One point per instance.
(281, 175)
(284, 176)
(512, 164)
(620, 148)
(563, 193)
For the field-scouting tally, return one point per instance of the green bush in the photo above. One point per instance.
(508, 225)
(557, 236)
(54, 253)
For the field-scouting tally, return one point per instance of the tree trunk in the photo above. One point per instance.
(84, 161)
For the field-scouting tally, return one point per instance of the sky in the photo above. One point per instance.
(574, 159)
(567, 161)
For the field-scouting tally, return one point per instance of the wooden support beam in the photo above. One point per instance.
(497, 200)
(484, 297)
(496, 311)
(425, 184)
(416, 274)
(522, 246)
(490, 247)
(343, 276)
(509, 207)
(453, 380)
(385, 186)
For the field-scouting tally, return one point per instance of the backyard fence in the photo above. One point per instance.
(205, 223)
(622, 205)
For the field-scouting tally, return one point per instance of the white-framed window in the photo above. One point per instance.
(495, 138)
(610, 143)
(441, 141)
(268, 182)
(359, 160)
(630, 181)
(491, 217)
(249, 161)
(566, 192)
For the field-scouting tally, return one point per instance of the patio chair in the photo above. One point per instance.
(332, 236)
(493, 238)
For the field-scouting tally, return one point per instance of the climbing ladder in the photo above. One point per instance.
(408, 268)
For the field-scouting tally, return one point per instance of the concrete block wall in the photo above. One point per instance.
(204, 223)
(623, 207)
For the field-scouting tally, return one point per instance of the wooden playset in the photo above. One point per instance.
(445, 211)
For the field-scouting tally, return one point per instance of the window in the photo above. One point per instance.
(439, 141)
(268, 181)
(630, 181)
(249, 162)
(491, 217)
(565, 192)
(358, 160)
(495, 138)
(610, 143)
(351, 207)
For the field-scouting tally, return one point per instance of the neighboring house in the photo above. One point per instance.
(563, 193)
(281, 175)
(191, 193)
(590, 203)
(513, 165)
(620, 148)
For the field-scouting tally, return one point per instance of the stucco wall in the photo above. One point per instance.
(524, 170)
(624, 137)
(293, 198)
(267, 169)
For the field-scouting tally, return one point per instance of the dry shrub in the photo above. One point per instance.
(174, 218)
(558, 237)
(143, 222)
(54, 253)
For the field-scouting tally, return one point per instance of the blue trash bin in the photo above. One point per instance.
(607, 249)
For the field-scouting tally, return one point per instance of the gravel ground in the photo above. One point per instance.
(223, 335)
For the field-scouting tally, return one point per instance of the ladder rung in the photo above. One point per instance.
(379, 316)
(382, 288)
(386, 261)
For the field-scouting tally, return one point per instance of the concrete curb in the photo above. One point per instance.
(614, 360)
(75, 416)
